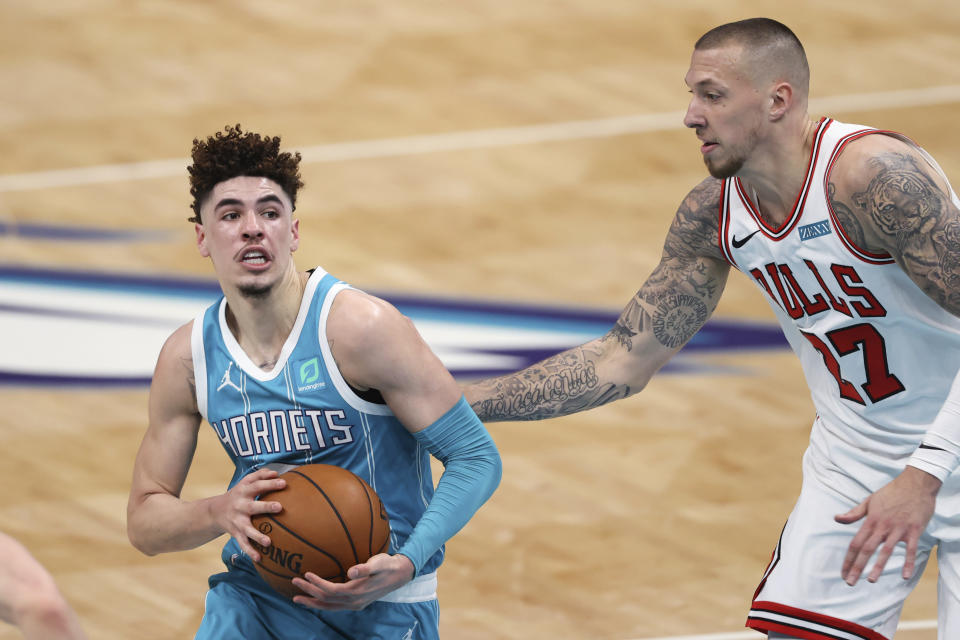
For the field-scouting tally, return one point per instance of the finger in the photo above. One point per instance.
(259, 474)
(255, 507)
(853, 515)
(319, 585)
(264, 486)
(360, 571)
(882, 557)
(910, 561)
(863, 557)
(247, 548)
(854, 549)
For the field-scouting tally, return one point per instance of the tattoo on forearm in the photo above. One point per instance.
(565, 383)
(917, 222)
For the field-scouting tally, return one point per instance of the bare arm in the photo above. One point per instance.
(670, 307)
(158, 520)
(30, 599)
(376, 347)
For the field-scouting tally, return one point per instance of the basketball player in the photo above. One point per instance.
(853, 236)
(292, 368)
(29, 598)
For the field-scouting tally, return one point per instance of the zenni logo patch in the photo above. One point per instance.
(814, 230)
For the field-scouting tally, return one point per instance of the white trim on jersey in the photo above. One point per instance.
(199, 363)
(339, 382)
(240, 356)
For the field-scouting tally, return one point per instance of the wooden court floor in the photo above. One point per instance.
(649, 518)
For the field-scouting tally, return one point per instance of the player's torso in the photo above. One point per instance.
(302, 411)
(878, 354)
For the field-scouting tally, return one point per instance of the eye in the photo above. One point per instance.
(713, 97)
(271, 214)
(230, 215)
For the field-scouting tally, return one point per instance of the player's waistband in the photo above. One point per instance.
(420, 589)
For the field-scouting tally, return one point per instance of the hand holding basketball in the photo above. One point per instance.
(367, 582)
(331, 521)
(234, 509)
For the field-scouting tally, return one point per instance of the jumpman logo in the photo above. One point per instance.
(225, 381)
(409, 634)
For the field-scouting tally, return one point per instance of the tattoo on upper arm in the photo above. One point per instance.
(848, 221)
(680, 294)
(633, 320)
(917, 222)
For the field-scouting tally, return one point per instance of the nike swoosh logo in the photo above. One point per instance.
(739, 243)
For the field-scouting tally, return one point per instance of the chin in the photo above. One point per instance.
(255, 290)
(724, 171)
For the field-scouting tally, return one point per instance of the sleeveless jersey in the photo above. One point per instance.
(878, 354)
(303, 411)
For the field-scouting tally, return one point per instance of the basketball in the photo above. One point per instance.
(331, 521)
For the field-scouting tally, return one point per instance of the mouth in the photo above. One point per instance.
(706, 147)
(254, 258)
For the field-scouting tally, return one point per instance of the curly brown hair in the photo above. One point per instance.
(234, 152)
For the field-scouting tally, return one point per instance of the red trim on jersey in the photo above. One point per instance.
(774, 561)
(796, 629)
(724, 226)
(861, 254)
(797, 211)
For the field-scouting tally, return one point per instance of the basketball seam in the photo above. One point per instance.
(306, 542)
(343, 524)
(370, 511)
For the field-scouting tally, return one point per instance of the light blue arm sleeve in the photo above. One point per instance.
(472, 471)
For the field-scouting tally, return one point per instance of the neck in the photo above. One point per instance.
(261, 324)
(775, 175)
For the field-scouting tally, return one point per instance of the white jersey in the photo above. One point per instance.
(878, 354)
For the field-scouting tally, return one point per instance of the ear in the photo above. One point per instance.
(201, 240)
(295, 230)
(781, 99)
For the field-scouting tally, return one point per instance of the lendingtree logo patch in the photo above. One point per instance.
(308, 375)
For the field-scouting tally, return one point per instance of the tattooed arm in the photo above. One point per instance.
(890, 199)
(666, 312)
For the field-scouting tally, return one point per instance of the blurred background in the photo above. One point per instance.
(505, 172)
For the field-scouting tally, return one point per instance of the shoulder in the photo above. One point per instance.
(360, 323)
(879, 155)
(884, 188)
(173, 382)
(178, 345)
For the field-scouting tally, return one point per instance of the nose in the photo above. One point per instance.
(693, 119)
(252, 225)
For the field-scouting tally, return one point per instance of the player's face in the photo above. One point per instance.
(725, 110)
(249, 233)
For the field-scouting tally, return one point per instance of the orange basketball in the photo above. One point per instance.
(331, 521)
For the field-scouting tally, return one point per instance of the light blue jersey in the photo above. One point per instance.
(302, 411)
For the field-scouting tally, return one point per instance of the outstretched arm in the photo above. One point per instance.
(29, 598)
(890, 198)
(670, 307)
